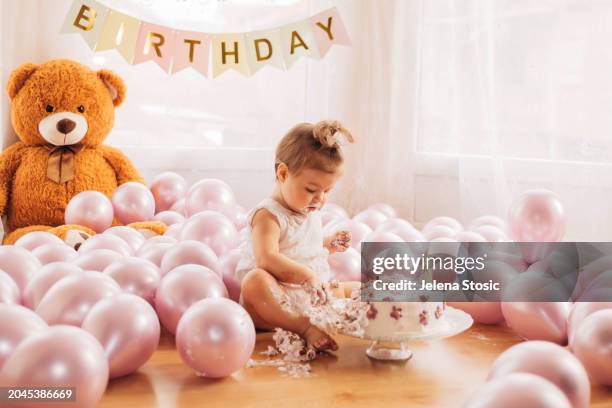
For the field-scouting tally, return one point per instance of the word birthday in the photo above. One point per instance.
(411, 264)
(174, 50)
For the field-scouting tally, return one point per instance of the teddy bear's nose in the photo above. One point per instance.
(65, 126)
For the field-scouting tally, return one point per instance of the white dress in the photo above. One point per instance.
(301, 239)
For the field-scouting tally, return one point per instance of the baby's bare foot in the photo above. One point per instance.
(319, 339)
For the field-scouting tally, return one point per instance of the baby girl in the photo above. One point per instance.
(285, 246)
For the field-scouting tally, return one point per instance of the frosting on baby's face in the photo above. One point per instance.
(307, 191)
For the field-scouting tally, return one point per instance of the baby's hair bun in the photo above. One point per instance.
(331, 134)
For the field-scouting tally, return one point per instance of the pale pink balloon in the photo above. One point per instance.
(137, 276)
(155, 252)
(381, 236)
(329, 217)
(158, 239)
(537, 216)
(167, 189)
(226, 344)
(384, 208)
(179, 206)
(519, 390)
(236, 215)
(16, 324)
(372, 218)
(49, 253)
(227, 267)
(97, 260)
(515, 261)
(538, 320)
(345, 266)
(9, 291)
(133, 202)
(208, 194)
(335, 209)
(19, 264)
(60, 356)
(182, 287)
(32, 240)
(593, 346)
(71, 298)
(438, 231)
(549, 361)
(44, 279)
(536, 285)
(481, 312)
(590, 273)
(213, 229)
(357, 229)
(394, 223)
(469, 236)
(579, 312)
(174, 231)
(491, 233)
(489, 220)
(104, 241)
(129, 235)
(189, 252)
(449, 222)
(127, 328)
(90, 209)
(535, 251)
(169, 217)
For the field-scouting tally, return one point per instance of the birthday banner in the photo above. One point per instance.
(173, 50)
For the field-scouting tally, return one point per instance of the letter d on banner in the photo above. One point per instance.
(263, 48)
(86, 17)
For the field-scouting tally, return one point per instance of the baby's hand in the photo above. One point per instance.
(341, 241)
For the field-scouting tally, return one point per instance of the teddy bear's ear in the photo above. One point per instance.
(18, 78)
(115, 85)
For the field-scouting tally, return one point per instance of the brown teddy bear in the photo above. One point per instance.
(61, 111)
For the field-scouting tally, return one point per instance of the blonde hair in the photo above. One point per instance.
(316, 146)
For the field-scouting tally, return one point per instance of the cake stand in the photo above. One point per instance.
(394, 348)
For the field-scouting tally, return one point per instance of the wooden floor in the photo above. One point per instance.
(443, 373)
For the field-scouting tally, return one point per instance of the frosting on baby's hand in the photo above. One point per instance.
(341, 241)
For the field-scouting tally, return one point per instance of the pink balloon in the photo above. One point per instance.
(213, 229)
(9, 291)
(538, 320)
(104, 241)
(179, 206)
(208, 194)
(49, 253)
(33, 240)
(328, 217)
(345, 266)
(535, 251)
(155, 252)
(19, 263)
(438, 231)
(167, 189)
(593, 346)
(159, 239)
(182, 287)
(227, 343)
(537, 216)
(71, 298)
(515, 261)
(133, 202)
(519, 390)
(16, 324)
(335, 209)
(227, 267)
(97, 260)
(469, 236)
(381, 236)
(169, 217)
(370, 217)
(61, 356)
(127, 328)
(590, 273)
(44, 279)
(90, 209)
(174, 231)
(129, 235)
(491, 233)
(357, 229)
(443, 221)
(236, 214)
(549, 361)
(581, 311)
(489, 220)
(481, 312)
(395, 223)
(189, 252)
(136, 276)
(384, 208)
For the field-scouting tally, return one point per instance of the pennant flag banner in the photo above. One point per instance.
(174, 50)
